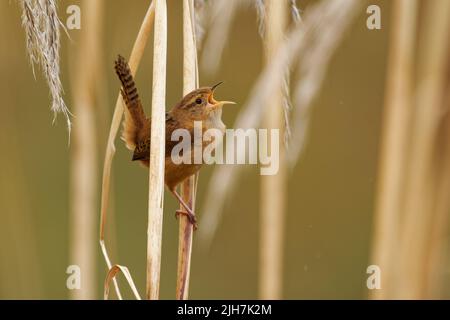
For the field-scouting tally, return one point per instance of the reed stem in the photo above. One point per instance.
(157, 152)
(84, 151)
(419, 205)
(273, 188)
(190, 82)
(439, 235)
(135, 58)
(394, 144)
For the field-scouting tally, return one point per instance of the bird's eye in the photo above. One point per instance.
(198, 101)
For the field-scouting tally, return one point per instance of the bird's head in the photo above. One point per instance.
(200, 105)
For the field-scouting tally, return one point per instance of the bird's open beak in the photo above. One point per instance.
(217, 104)
(215, 86)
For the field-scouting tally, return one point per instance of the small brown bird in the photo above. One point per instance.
(198, 105)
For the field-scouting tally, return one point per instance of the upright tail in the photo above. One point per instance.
(135, 118)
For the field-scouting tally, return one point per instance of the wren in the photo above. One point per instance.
(198, 105)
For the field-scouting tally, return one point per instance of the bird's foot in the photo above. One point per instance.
(191, 217)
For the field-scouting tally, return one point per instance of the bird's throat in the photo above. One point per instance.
(214, 121)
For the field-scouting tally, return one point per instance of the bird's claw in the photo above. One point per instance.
(192, 219)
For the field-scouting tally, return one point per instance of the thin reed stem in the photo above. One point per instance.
(273, 188)
(84, 151)
(190, 82)
(419, 205)
(157, 152)
(439, 235)
(135, 58)
(394, 144)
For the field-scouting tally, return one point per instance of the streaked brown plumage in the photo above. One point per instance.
(198, 105)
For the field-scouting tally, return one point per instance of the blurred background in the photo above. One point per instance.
(331, 192)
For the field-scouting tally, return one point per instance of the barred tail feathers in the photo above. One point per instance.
(135, 118)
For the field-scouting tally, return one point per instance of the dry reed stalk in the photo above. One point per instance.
(438, 244)
(331, 17)
(157, 150)
(190, 82)
(83, 169)
(41, 23)
(273, 188)
(419, 207)
(394, 144)
(111, 276)
(135, 58)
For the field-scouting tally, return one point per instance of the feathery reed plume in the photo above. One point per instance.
(261, 15)
(157, 149)
(295, 12)
(41, 23)
(419, 208)
(394, 144)
(313, 69)
(330, 17)
(287, 103)
(135, 58)
(287, 107)
(219, 24)
(190, 83)
(273, 188)
(201, 12)
(83, 169)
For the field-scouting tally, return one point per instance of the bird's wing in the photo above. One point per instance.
(142, 150)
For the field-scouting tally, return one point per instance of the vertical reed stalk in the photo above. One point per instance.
(273, 188)
(157, 148)
(419, 207)
(190, 82)
(84, 152)
(135, 58)
(394, 142)
(438, 244)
